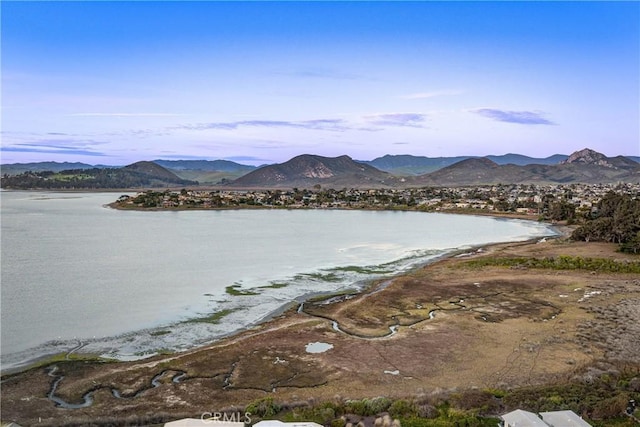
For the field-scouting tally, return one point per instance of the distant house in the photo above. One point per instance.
(520, 418)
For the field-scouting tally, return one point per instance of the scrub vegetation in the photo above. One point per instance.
(562, 262)
(605, 397)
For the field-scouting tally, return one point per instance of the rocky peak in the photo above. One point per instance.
(307, 169)
(588, 157)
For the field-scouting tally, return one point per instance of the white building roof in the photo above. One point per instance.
(520, 418)
(563, 419)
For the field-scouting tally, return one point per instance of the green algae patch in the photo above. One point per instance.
(236, 291)
(275, 286)
(213, 318)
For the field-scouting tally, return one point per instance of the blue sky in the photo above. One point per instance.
(261, 82)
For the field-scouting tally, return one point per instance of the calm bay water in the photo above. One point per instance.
(123, 283)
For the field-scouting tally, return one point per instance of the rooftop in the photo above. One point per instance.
(520, 418)
(563, 419)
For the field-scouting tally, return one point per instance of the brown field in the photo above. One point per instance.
(492, 327)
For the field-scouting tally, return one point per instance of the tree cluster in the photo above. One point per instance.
(616, 220)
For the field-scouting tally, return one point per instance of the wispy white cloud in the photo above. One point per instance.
(518, 117)
(432, 94)
(316, 124)
(99, 114)
(415, 120)
(245, 159)
(373, 123)
(65, 146)
(28, 148)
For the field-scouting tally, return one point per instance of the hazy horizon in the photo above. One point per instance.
(260, 82)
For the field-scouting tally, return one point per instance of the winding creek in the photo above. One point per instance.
(87, 397)
(178, 376)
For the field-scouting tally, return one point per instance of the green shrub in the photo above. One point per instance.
(263, 408)
(403, 409)
(377, 405)
(338, 422)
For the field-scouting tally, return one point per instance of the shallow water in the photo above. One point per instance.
(123, 283)
(318, 347)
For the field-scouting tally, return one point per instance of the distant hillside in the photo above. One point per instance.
(519, 159)
(205, 165)
(17, 168)
(151, 170)
(136, 175)
(406, 165)
(206, 172)
(309, 170)
(585, 166)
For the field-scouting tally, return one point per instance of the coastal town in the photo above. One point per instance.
(549, 202)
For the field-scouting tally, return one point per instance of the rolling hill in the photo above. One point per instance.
(407, 165)
(18, 168)
(309, 170)
(206, 172)
(204, 165)
(584, 166)
(136, 175)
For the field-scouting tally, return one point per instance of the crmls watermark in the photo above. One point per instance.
(224, 417)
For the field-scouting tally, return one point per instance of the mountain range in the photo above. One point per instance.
(584, 166)
(403, 165)
(579, 167)
(400, 165)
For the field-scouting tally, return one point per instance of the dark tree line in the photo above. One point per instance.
(616, 220)
(95, 178)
